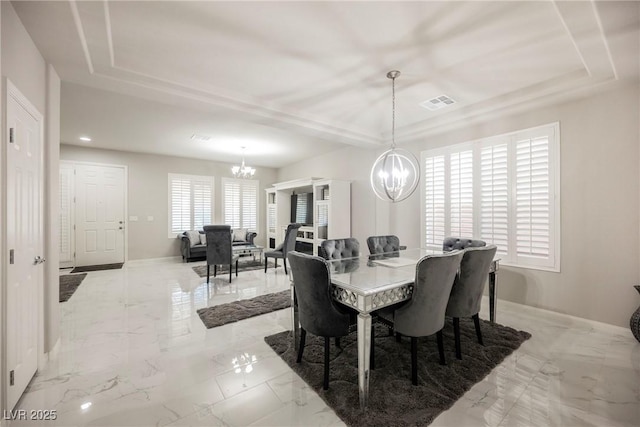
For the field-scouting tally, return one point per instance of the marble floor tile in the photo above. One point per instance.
(133, 352)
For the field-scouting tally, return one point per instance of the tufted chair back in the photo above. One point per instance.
(383, 244)
(219, 249)
(340, 248)
(459, 243)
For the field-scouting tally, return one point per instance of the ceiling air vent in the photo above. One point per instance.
(200, 138)
(437, 103)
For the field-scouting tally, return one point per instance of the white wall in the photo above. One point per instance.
(600, 187)
(148, 194)
(22, 63)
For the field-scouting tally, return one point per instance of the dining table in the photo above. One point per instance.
(371, 282)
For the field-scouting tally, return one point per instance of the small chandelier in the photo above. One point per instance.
(395, 174)
(243, 171)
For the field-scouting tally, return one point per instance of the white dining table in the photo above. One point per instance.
(370, 283)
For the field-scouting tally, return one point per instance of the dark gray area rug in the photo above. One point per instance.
(97, 267)
(222, 314)
(68, 285)
(393, 400)
(201, 270)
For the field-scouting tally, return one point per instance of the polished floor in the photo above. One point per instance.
(133, 352)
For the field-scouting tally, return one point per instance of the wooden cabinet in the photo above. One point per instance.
(331, 206)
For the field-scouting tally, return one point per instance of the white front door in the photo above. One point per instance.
(99, 214)
(24, 239)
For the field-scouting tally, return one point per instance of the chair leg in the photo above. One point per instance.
(265, 263)
(230, 271)
(237, 267)
(414, 360)
(284, 260)
(303, 336)
(208, 272)
(441, 347)
(476, 321)
(215, 270)
(325, 384)
(456, 336)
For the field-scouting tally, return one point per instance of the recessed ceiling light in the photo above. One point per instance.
(200, 138)
(85, 139)
(437, 103)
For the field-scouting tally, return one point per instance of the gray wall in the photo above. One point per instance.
(600, 188)
(148, 194)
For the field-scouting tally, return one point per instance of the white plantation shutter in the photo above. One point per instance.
(201, 203)
(494, 197)
(240, 203)
(231, 202)
(532, 198)
(503, 190)
(250, 205)
(461, 194)
(190, 202)
(434, 194)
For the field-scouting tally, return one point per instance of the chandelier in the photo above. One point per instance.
(243, 171)
(395, 174)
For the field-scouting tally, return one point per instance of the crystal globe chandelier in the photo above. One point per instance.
(395, 174)
(243, 171)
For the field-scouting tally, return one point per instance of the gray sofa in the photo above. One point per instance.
(197, 251)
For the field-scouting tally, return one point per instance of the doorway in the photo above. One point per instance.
(92, 214)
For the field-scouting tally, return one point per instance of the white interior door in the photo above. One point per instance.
(24, 239)
(99, 214)
(66, 215)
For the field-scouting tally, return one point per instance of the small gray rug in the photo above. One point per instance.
(393, 400)
(219, 315)
(68, 285)
(201, 270)
(97, 267)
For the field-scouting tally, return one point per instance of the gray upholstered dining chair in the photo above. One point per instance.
(459, 243)
(219, 249)
(423, 314)
(333, 249)
(289, 244)
(318, 313)
(384, 244)
(466, 294)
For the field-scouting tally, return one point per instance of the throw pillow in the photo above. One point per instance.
(203, 239)
(194, 237)
(239, 234)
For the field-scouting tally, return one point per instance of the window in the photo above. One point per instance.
(503, 190)
(190, 202)
(240, 203)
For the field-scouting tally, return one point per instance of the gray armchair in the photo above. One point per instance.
(423, 314)
(459, 243)
(466, 294)
(219, 249)
(319, 314)
(333, 249)
(281, 251)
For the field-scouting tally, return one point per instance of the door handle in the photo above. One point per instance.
(38, 260)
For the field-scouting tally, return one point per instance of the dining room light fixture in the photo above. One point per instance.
(243, 171)
(395, 174)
